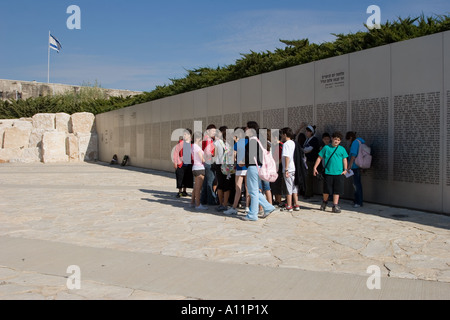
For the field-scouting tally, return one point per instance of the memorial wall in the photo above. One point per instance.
(396, 97)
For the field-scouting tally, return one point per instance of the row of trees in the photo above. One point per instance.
(295, 52)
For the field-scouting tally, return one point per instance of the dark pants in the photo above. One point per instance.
(310, 180)
(184, 177)
(208, 196)
(357, 185)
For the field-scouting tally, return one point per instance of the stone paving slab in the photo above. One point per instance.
(99, 207)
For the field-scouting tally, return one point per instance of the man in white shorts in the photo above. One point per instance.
(287, 159)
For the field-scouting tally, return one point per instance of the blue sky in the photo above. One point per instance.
(138, 44)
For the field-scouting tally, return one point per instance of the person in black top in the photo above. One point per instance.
(311, 149)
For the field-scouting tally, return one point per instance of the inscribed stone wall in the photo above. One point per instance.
(133, 135)
(417, 138)
(299, 115)
(273, 119)
(332, 117)
(232, 120)
(251, 116)
(395, 97)
(448, 138)
(370, 120)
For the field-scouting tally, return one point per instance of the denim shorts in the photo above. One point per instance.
(264, 186)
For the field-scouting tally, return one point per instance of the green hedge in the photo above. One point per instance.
(294, 53)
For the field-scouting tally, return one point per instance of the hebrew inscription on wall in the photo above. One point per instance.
(273, 119)
(333, 80)
(121, 131)
(215, 120)
(448, 138)
(232, 120)
(133, 135)
(251, 116)
(156, 141)
(299, 115)
(332, 117)
(148, 141)
(417, 138)
(370, 121)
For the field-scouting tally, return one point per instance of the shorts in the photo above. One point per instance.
(290, 184)
(264, 186)
(334, 185)
(241, 173)
(223, 183)
(198, 173)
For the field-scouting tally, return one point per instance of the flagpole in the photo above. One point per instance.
(48, 70)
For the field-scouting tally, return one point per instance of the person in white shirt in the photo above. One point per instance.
(287, 159)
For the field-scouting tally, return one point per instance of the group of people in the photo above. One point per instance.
(223, 170)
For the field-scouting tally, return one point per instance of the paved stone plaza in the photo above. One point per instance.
(132, 239)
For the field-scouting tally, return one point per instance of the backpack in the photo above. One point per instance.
(364, 158)
(115, 160)
(227, 169)
(125, 161)
(269, 169)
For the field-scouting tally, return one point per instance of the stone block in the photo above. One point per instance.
(6, 155)
(88, 146)
(63, 123)
(27, 155)
(54, 147)
(16, 138)
(83, 122)
(23, 124)
(72, 147)
(36, 138)
(6, 123)
(3, 125)
(44, 121)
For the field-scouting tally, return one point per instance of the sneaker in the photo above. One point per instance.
(323, 207)
(287, 209)
(336, 209)
(221, 208)
(231, 211)
(247, 219)
(201, 207)
(297, 208)
(179, 195)
(247, 210)
(266, 214)
(184, 194)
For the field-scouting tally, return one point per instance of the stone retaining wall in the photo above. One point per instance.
(49, 138)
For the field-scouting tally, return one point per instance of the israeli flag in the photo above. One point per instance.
(54, 44)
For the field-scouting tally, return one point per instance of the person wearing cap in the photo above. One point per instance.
(311, 149)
